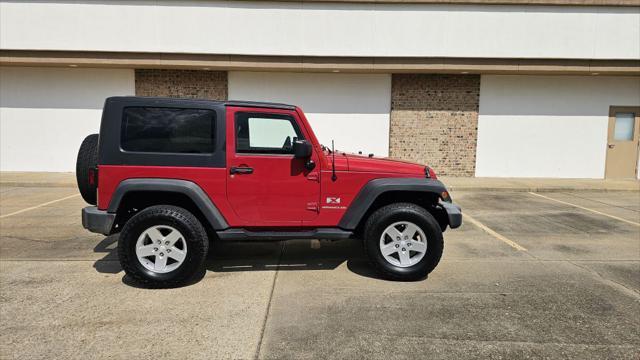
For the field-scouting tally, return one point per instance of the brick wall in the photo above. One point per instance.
(434, 120)
(182, 83)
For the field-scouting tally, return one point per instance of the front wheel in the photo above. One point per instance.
(403, 241)
(162, 246)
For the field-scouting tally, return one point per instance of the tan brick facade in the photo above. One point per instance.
(434, 120)
(182, 83)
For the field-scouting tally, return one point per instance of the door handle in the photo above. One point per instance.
(611, 146)
(241, 170)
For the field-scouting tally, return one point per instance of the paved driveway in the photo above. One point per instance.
(528, 275)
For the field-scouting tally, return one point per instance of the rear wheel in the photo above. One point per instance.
(163, 246)
(86, 163)
(403, 241)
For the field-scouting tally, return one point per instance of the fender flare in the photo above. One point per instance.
(374, 188)
(188, 188)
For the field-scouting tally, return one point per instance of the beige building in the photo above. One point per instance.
(498, 88)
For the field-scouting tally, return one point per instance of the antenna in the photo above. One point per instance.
(334, 177)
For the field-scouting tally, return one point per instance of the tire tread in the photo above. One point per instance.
(370, 245)
(87, 159)
(164, 211)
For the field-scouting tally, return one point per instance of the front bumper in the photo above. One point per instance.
(97, 221)
(454, 213)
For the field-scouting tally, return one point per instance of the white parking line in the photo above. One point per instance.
(587, 209)
(38, 206)
(491, 232)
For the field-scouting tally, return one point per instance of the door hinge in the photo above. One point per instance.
(313, 206)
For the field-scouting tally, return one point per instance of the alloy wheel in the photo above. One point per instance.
(403, 244)
(161, 249)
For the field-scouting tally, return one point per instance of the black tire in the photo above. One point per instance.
(387, 215)
(87, 161)
(180, 219)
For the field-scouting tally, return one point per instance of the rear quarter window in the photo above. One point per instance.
(168, 130)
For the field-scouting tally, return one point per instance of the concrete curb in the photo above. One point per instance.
(539, 185)
(452, 188)
(68, 180)
(37, 179)
(535, 189)
(36, 184)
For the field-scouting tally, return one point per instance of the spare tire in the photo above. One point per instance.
(86, 165)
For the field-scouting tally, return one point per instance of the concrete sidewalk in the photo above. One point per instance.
(53, 179)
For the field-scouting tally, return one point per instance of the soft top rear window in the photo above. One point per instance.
(168, 130)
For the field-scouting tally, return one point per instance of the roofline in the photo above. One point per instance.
(259, 104)
(488, 2)
(239, 103)
(622, 3)
(449, 65)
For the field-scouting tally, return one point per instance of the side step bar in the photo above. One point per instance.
(247, 235)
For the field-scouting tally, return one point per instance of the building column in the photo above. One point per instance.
(434, 121)
(198, 84)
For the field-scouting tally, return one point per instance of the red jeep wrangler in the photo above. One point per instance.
(171, 174)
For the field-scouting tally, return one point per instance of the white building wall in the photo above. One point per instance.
(351, 109)
(45, 113)
(545, 126)
(329, 29)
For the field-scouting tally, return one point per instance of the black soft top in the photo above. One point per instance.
(176, 101)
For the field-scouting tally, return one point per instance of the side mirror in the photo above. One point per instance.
(301, 149)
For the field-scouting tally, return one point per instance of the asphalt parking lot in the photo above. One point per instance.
(553, 275)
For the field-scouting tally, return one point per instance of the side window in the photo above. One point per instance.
(168, 130)
(265, 133)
